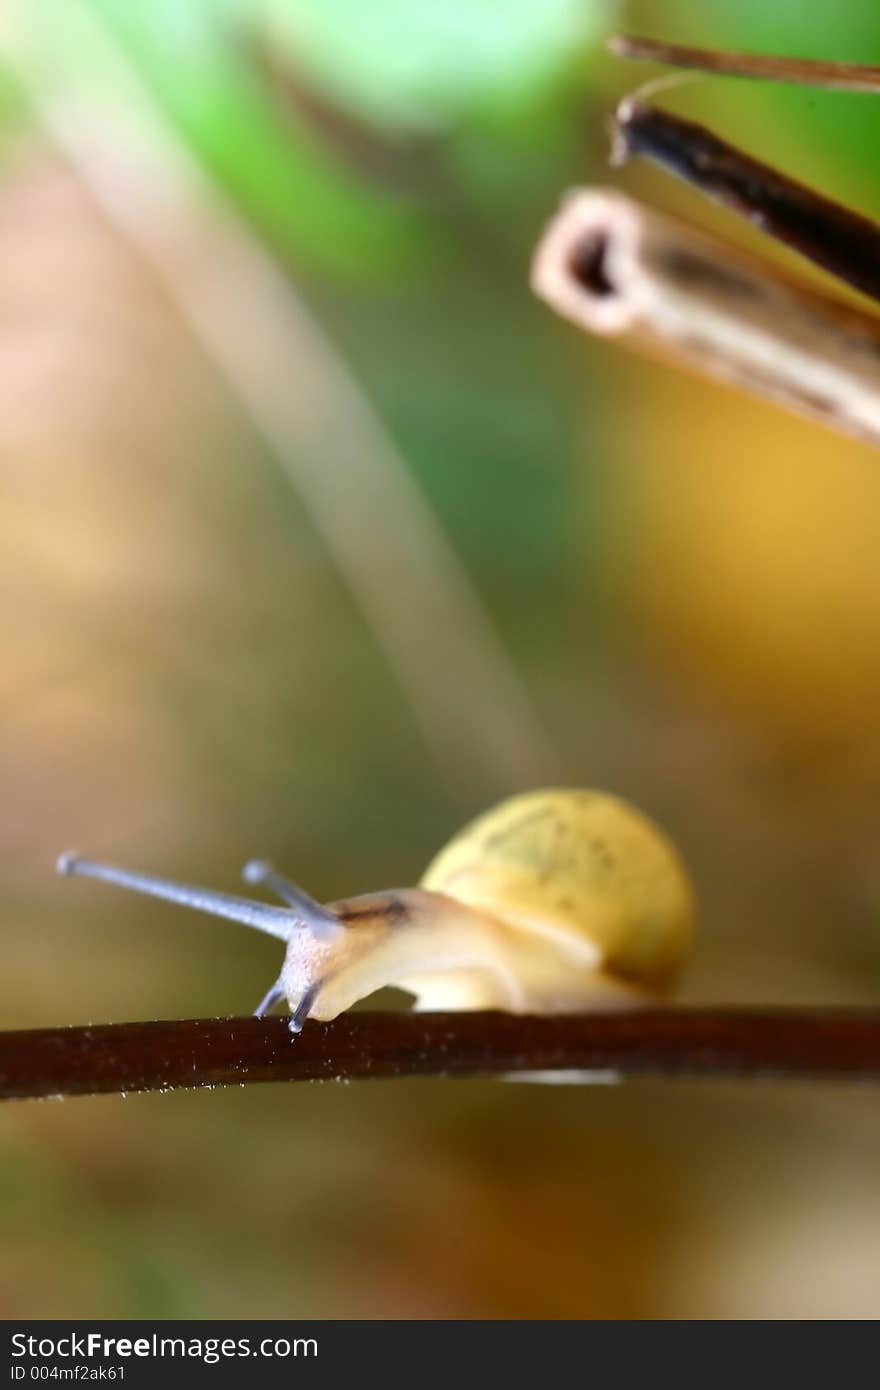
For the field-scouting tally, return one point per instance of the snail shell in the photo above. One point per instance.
(582, 869)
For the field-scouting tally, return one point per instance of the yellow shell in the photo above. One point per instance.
(582, 868)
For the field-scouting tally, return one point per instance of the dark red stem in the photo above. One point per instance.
(807, 1043)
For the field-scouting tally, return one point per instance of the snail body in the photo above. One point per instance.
(552, 902)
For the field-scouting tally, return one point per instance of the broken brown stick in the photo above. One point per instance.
(834, 237)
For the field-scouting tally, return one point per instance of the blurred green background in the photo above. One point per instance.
(317, 535)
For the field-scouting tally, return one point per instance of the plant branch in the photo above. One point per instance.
(804, 1043)
(770, 67)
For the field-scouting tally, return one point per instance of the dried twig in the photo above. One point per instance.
(832, 236)
(615, 268)
(841, 77)
(806, 1043)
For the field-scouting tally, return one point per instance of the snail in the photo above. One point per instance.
(552, 902)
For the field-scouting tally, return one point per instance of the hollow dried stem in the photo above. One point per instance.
(618, 269)
(808, 1043)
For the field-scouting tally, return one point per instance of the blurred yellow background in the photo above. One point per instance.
(317, 535)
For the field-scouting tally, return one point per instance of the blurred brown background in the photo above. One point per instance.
(263, 267)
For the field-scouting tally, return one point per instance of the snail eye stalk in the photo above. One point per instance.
(281, 922)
